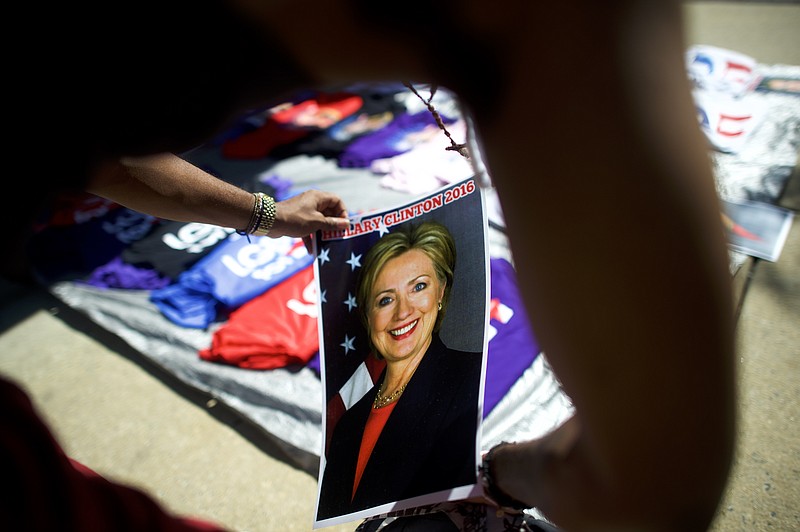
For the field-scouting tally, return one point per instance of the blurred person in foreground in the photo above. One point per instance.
(587, 127)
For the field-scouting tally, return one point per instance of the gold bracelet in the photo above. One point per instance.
(265, 215)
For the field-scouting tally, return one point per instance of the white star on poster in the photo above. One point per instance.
(323, 256)
(382, 229)
(350, 302)
(354, 262)
(322, 297)
(348, 344)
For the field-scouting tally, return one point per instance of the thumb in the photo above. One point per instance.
(336, 222)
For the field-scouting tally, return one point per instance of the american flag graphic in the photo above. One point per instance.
(348, 369)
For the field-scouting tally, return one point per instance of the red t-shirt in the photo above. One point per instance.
(375, 423)
(272, 330)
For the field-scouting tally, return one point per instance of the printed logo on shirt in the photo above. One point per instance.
(721, 70)
(307, 307)
(129, 226)
(196, 237)
(91, 208)
(498, 312)
(266, 257)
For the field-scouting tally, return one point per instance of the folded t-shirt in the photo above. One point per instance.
(275, 329)
(236, 271)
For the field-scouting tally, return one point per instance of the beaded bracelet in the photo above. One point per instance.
(500, 497)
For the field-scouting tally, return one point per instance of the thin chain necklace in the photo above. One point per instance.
(454, 146)
(381, 401)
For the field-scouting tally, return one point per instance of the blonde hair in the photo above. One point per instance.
(432, 238)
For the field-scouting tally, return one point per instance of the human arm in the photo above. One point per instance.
(170, 187)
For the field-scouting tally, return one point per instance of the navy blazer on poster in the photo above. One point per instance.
(427, 445)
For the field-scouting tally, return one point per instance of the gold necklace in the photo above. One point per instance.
(380, 402)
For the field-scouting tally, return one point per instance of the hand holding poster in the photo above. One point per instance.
(403, 298)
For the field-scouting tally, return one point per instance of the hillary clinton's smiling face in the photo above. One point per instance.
(404, 305)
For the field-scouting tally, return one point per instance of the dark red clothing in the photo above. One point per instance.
(44, 490)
